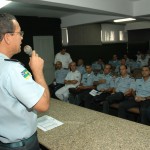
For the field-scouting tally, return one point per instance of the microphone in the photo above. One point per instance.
(28, 50)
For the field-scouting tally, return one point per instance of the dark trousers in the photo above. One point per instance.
(34, 145)
(114, 98)
(73, 99)
(93, 102)
(53, 88)
(144, 107)
(77, 98)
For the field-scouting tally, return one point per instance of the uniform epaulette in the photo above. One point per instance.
(14, 60)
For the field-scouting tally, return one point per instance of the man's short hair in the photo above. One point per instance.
(6, 24)
(146, 67)
(124, 66)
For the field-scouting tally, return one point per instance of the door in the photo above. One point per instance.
(43, 45)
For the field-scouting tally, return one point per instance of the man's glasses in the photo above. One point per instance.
(21, 33)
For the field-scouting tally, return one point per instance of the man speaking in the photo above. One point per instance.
(20, 95)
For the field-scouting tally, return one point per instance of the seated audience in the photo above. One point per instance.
(140, 99)
(121, 91)
(105, 84)
(72, 80)
(85, 86)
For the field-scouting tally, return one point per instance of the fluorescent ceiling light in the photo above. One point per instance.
(4, 3)
(125, 19)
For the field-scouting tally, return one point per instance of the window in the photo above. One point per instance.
(111, 33)
(64, 33)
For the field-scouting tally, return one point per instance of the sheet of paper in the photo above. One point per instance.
(94, 93)
(46, 123)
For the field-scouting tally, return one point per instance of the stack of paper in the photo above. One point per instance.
(46, 123)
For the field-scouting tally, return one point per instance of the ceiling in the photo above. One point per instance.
(81, 11)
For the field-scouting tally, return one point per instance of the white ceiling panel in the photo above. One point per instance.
(80, 11)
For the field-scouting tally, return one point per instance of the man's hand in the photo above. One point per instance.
(139, 98)
(36, 64)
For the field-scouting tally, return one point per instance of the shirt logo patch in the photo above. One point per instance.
(26, 74)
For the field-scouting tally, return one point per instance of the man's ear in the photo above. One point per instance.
(7, 38)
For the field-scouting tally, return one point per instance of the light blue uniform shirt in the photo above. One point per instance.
(109, 81)
(88, 79)
(96, 66)
(134, 65)
(128, 62)
(123, 84)
(18, 94)
(114, 63)
(60, 75)
(142, 87)
(81, 69)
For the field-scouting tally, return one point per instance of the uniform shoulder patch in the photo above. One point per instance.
(26, 74)
(14, 60)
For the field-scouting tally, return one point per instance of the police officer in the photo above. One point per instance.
(85, 86)
(134, 64)
(60, 75)
(20, 95)
(122, 62)
(143, 60)
(114, 62)
(122, 89)
(98, 66)
(141, 97)
(104, 84)
(80, 66)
